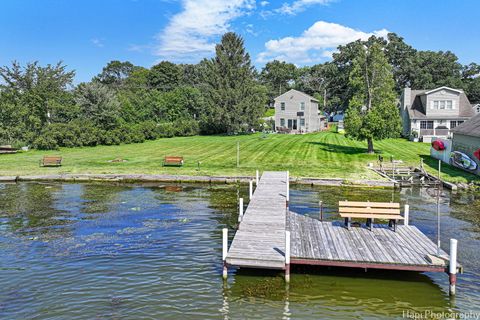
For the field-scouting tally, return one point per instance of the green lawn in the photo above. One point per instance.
(325, 155)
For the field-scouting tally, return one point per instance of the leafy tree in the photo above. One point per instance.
(235, 101)
(436, 69)
(372, 112)
(320, 81)
(278, 76)
(115, 73)
(402, 58)
(471, 82)
(165, 76)
(40, 94)
(99, 104)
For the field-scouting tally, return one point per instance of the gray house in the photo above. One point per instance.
(476, 108)
(297, 112)
(433, 113)
(466, 139)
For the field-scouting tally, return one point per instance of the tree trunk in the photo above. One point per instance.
(370, 145)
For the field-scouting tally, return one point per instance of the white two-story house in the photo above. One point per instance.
(297, 112)
(433, 113)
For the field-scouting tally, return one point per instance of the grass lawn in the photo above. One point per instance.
(321, 155)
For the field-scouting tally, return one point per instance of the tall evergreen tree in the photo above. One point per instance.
(235, 100)
(372, 112)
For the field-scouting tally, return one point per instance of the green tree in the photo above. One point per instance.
(165, 76)
(402, 58)
(436, 69)
(40, 95)
(320, 81)
(99, 104)
(235, 100)
(471, 82)
(372, 112)
(278, 76)
(115, 73)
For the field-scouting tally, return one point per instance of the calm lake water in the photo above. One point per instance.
(105, 251)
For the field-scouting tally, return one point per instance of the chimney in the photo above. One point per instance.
(407, 97)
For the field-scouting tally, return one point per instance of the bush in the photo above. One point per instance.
(186, 128)
(45, 142)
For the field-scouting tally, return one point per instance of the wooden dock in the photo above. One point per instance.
(260, 238)
(329, 243)
(271, 237)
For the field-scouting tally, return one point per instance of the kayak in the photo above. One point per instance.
(461, 160)
(438, 145)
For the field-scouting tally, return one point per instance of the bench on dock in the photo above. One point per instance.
(370, 210)
(173, 161)
(51, 161)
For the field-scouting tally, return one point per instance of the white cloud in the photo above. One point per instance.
(97, 42)
(299, 6)
(316, 44)
(191, 34)
(264, 3)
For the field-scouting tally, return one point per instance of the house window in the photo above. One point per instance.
(302, 122)
(443, 104)
(426, 124)
(302, 106)
(282, 122)
(282, 106)
(453, 124)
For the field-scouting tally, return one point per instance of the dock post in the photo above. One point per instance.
(287, 256)
(406, 215)
(288, 187)
(256, 176)
(224, 252)
(251, 189)
(452, 268)
(240, 210)
(320, 204)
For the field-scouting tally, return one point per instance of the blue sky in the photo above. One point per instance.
(87, 34)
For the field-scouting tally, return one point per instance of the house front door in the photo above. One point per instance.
(292, 124)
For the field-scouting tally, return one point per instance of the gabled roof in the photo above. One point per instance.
(443, 88)
(416, 109)
(470, 127)
(297, 92)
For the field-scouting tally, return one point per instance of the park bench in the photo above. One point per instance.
(7, 149)
(370, 210)
(51, 161)
(173, 161)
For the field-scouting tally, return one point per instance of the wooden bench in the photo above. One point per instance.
(7, 149)
(51, 161)
(173, 161)
(370, 210)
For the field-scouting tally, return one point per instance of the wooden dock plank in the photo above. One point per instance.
(333, 242)
(260, 240)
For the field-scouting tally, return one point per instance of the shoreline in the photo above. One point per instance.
(132, 178)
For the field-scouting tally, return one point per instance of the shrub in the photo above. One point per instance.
(166, 130)
(45, 142)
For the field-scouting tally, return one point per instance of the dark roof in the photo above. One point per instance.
(417, 109)
(470, 127)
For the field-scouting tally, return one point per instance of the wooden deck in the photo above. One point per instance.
(260, 239)
(331, 244)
